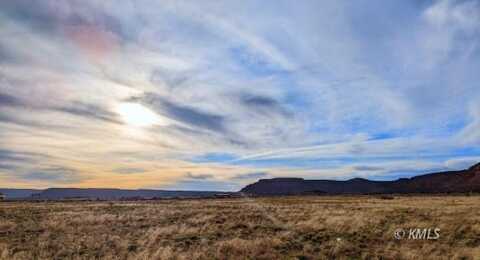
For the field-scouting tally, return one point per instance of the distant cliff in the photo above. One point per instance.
(442, 182)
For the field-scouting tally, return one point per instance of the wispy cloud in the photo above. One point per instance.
(129, 170)
(183, 113)
(314, 89)
(203, 176)
(89, 111)
(52, 174)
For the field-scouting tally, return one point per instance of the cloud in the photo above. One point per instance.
(93, 40)
(89, 111)
(8, 167)
(214, 157)
(171, 79)
(184, 114)
(263, 104)
(59, 175)
(31, 13)
(199, 176)
(470, 134)
(15, 156)
(449, 22)
(268, 92)
(129, 170)
(367, 168)
(81, 109)
(462, 163)
(8, 100)
(461, 14)
(260, 101)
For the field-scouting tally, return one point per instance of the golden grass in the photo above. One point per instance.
(341, 227)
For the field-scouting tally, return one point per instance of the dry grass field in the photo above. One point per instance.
(360, 227)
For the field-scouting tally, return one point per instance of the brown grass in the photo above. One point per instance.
(262, 228)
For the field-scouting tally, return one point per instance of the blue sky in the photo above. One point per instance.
(214, 95)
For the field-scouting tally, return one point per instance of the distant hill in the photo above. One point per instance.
(113, 194)
(18, 193)
(442, 182)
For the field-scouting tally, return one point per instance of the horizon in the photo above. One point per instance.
(181, 95)
(235, 191)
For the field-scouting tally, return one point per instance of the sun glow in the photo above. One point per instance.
(137, 115)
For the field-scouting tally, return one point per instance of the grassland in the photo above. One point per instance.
(245, 228)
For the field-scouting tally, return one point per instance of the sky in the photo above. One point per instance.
(213, 95)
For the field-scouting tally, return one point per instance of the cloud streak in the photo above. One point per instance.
(316, 89)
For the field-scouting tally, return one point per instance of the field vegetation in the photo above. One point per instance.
(315, 227)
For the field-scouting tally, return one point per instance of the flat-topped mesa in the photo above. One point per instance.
(440, 182)
(358, 180)
(282, 179)
(276, 186)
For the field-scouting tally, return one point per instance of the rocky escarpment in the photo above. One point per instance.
(441, 182)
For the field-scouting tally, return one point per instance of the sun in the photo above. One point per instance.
(137, 115)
